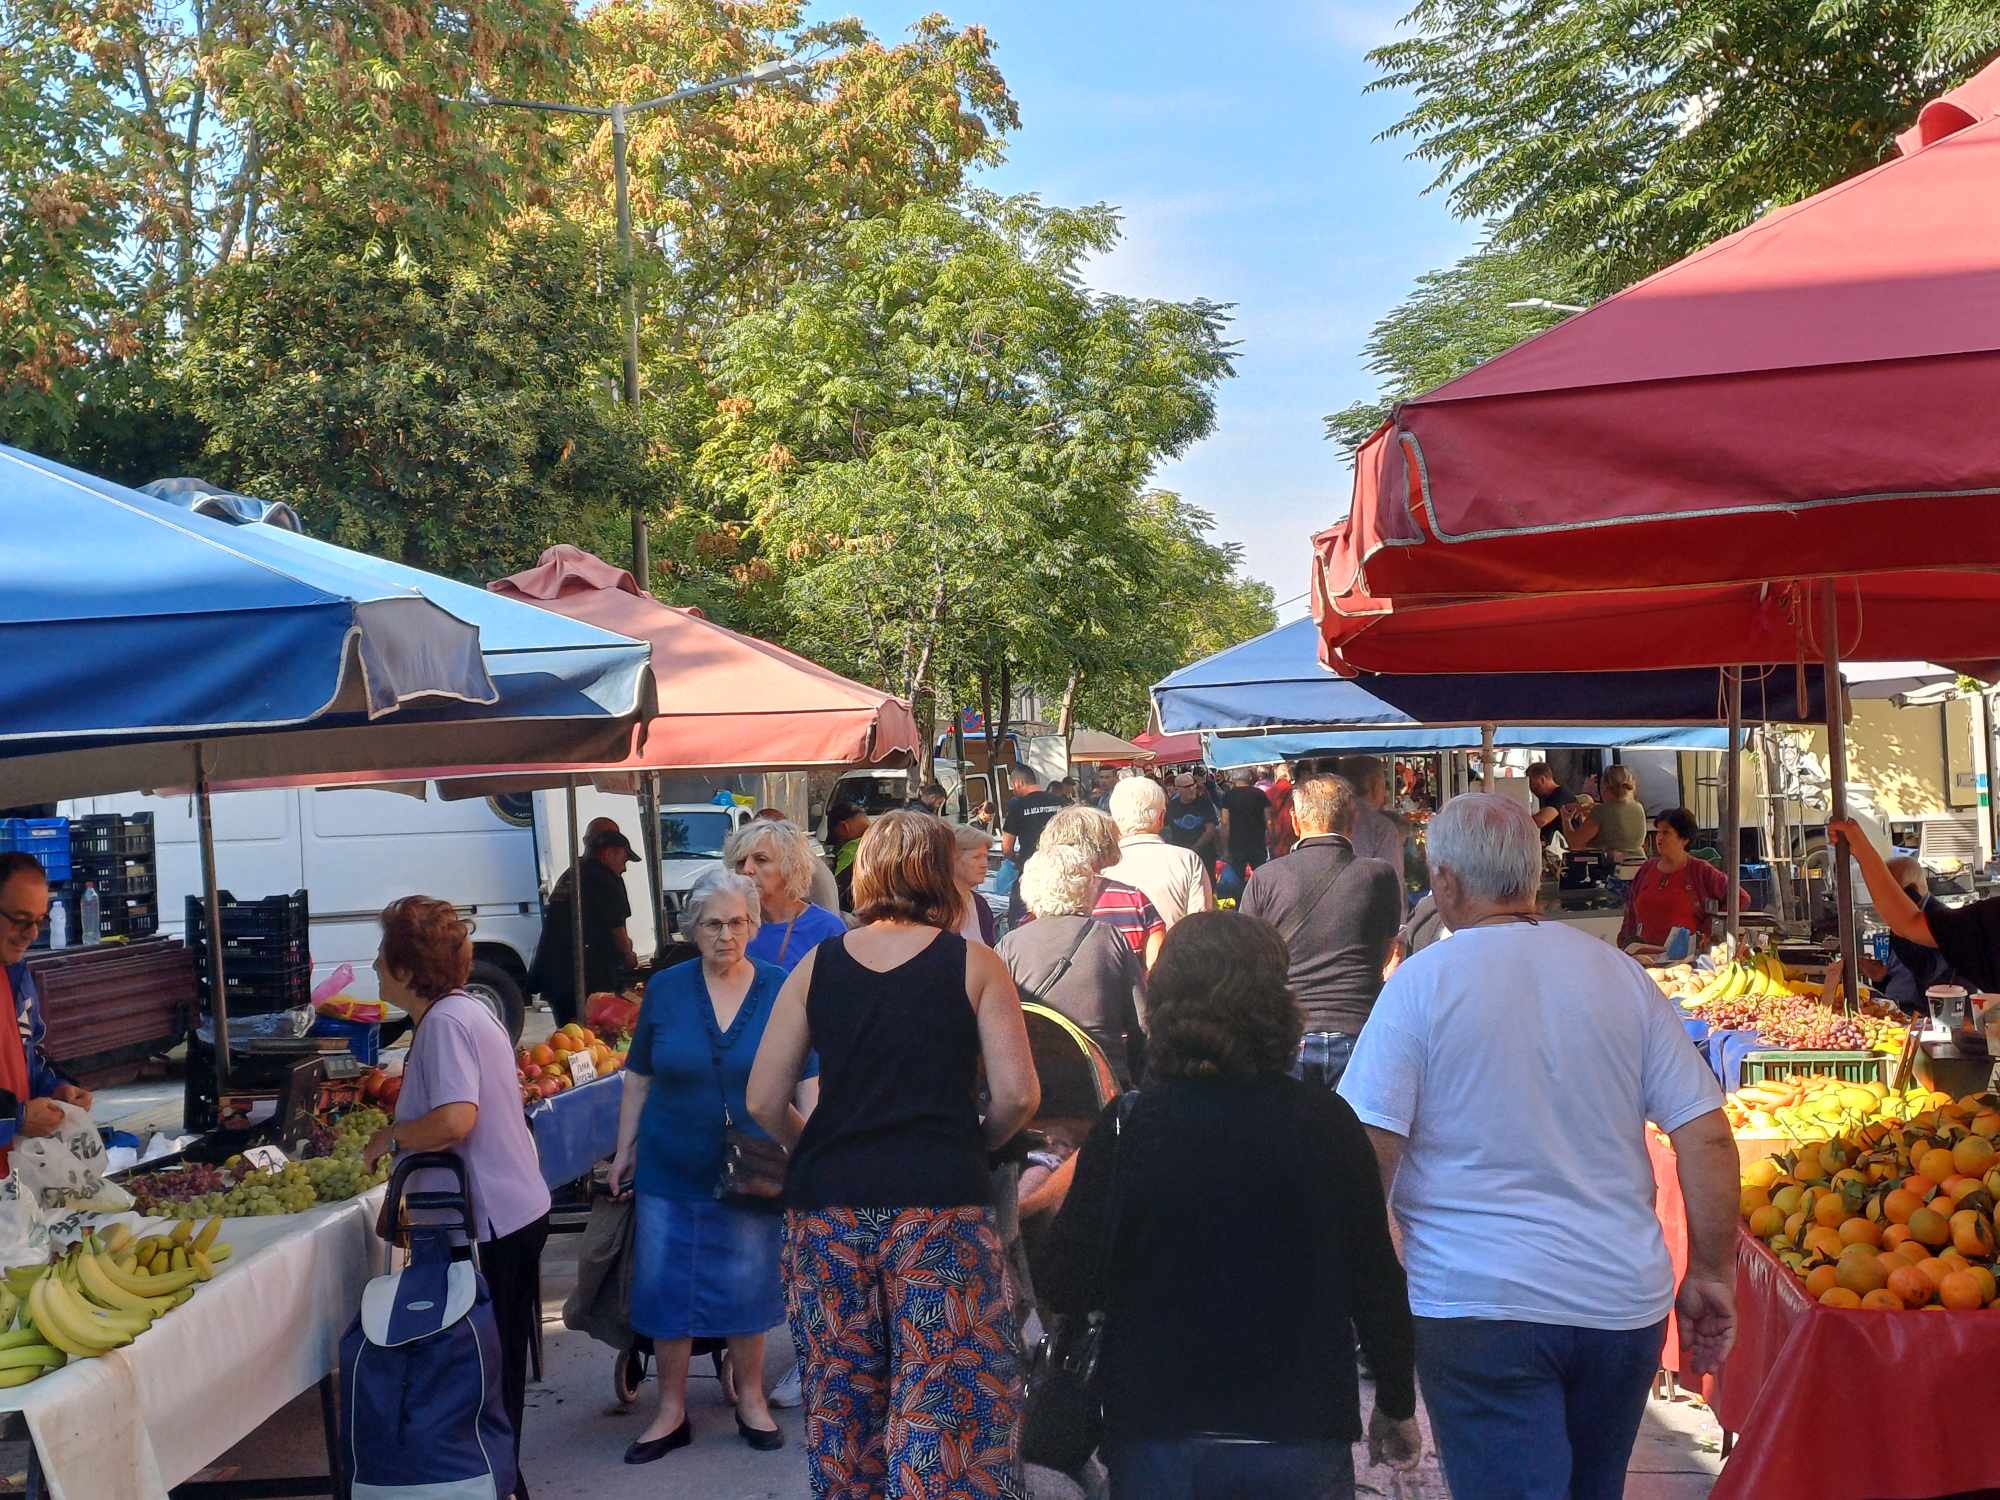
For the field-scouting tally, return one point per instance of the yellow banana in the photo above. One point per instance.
(183, 1232)
(217, 1254)
(10, 1378)
(98, 1285)
(181, 1258)
(30, 1356)
(56, 1333)
(208, 1233)
(150, 1286)
(117, 1237)
(93, 1325)
(203, 1266)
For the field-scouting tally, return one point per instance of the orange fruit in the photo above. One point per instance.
(1974, 1155)
(1830, 1210)
(1789, 1199)
(1765, 1173)
(1839, 1296)
(1860, 1232)
(1821, 1240)
(1930, 1227)
(1916, 1252)
(1911, 1286)
(1972, 1233)
(1892, 1237)
(1795, 1227)
(1860, 1270)
(1921, 1185)
(1935, 1270)
(1818, 1279)
(1986, 1123)
(1937, 1164)
(1962, 1290)
(1986, 1280)
(1750, 1199)
(1882, 1301)
(543, 1054)
(1899, 1203)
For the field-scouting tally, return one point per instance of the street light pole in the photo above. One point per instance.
(617, 114)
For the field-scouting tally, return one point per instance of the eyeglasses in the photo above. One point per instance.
(25, 924)
(735, 926)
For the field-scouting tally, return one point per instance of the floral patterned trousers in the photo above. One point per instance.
(908, 1350)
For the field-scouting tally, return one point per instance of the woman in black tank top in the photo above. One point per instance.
(892, 1263)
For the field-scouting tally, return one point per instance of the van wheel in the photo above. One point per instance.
(500, 992)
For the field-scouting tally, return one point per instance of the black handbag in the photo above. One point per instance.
(1064, 1420)
(753, 1166)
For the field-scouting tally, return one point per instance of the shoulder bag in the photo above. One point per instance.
(1292, 926)
(753, 1166)
(1064, 1419)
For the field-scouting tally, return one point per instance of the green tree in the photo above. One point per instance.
(1617, 137)
(1456, 318)
(940, 447)
(459, 417)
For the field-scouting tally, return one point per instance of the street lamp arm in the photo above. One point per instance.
(762, 73)
(543, 105)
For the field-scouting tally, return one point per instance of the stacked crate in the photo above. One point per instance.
(266, 957)
(115, 853)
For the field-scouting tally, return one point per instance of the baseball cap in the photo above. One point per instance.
(608, 838)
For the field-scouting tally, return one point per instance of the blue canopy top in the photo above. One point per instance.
(136, 627)
(126, 616)
(1227, 751)
(1275, 681)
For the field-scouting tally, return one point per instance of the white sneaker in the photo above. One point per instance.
(788, 1392)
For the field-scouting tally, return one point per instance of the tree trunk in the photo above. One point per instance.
(1066, 725)
(994, 789)
(926, 715)
(996, 728)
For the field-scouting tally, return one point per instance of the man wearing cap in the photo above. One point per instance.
(607, 946)
(29, 1086)
(845, 823)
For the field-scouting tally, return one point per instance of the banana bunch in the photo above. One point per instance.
(1761, 978)
(99, 1295)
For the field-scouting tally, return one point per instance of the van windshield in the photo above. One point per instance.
(693, 835)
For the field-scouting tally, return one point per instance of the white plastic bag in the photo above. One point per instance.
(54, 1181)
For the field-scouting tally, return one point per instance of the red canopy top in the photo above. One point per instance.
(1170, 749)
(727, 700)
(1811, 395)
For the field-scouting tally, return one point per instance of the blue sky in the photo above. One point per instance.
(1238, 144)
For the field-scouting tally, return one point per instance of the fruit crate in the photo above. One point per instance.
(114, 878)
(363, 1038)
(1848, 1067)
(132, 919)
(45, 838)
(108, 836)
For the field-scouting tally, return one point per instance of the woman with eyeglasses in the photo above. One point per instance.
(704, 1266)
(28, 1081)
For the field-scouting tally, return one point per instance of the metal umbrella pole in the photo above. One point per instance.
(1732, 802)
(1836, 756)
(649, 841)
(1486, 732)
(576, 904)
(218, 981)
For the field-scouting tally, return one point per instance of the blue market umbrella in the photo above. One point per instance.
(1275, 681)
(135, 626)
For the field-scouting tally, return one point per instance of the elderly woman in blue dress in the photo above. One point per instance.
(777, 855)
(704, 1266)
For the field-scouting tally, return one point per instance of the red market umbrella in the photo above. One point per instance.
(1170, 749)
(1809, 396)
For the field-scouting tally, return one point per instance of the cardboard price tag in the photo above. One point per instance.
(268, 1158)
(581, 1068)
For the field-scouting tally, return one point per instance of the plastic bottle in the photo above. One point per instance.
(58, 924)
(93, 916)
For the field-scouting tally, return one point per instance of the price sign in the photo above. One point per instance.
(581, 1068)
(268, 1158)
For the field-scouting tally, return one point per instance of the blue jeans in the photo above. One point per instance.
(1323, 1057)
(1535, 1411)
(1223, 1469)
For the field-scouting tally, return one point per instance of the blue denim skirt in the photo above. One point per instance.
(703, 1268)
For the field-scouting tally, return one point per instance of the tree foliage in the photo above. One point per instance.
(458, 417)
(1620, 135)
(1456, 318)
(943, 447)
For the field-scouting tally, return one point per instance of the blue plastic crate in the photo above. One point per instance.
(45, 838)
(363, 1038)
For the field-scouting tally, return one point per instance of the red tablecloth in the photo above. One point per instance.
(1671, 1209)
(1826, 1402)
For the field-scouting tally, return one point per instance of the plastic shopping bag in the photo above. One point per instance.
(53, 1181)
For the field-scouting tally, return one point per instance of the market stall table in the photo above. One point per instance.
(576, 1129)
(1788, 1393)
(138, 1421)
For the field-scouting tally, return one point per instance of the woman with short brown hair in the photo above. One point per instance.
(1248, 1215)
(889, 1227)
(461, 1094)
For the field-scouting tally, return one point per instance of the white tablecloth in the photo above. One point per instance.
(142, 1419)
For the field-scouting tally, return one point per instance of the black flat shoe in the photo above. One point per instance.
(645, 1453)
(762, 1441)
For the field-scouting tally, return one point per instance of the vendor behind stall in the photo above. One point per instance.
(1968, 936)
(607, 947)
(1673, 888)
(29, 1086)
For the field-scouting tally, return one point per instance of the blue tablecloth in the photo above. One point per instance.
(576, 1130)
(1697, 1030)
(1726, 1050)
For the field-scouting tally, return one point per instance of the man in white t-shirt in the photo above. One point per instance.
(1174, 879)
(1506, 1077)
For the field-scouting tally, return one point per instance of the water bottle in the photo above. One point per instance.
(93, 916)
(58, 924)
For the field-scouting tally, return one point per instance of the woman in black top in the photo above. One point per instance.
(894, 1287)
(1247, 1241)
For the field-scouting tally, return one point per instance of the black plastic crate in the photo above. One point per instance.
(272, 919)
(105, 836)
(116, 879)
(256, 963)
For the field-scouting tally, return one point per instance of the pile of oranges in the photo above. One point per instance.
(1894, 1215)
(544, 1067)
